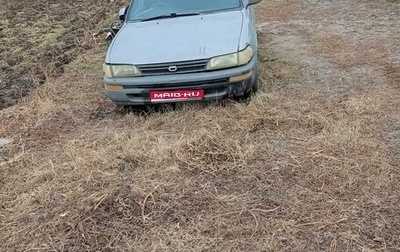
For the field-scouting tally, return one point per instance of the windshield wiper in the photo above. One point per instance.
(171, 15)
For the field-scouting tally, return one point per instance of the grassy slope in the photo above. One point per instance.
(278, 174)
(38, 38)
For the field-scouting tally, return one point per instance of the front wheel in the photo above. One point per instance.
(254, 88)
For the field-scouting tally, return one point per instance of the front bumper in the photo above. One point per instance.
(216, 84)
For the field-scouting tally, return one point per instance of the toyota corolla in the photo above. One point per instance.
(180, 50)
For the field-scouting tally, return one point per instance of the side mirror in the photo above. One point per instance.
(251, 2)
(122, 13)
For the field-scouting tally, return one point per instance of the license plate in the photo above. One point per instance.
(176, 95)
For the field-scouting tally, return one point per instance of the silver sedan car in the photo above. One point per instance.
(180, 50)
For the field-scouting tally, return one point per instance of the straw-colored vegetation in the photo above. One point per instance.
(310, 163)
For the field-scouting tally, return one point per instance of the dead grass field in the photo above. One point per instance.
(311, 163)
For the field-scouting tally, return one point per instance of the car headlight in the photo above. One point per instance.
(231, 60)
(113, 71)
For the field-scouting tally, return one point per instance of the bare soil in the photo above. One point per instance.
(310, 163)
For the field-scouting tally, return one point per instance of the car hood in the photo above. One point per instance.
(177, 39)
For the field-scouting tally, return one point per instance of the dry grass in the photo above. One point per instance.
(288, 171)
(329, 44)
(274, 10)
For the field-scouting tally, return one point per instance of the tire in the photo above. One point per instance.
(251, 91)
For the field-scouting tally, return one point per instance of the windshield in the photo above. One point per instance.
(147, 9)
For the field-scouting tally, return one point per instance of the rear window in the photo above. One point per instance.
(144, 9)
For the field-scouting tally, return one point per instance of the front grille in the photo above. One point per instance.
(179, 85)
(182, 67)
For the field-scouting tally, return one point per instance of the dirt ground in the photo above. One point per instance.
(310, 163)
